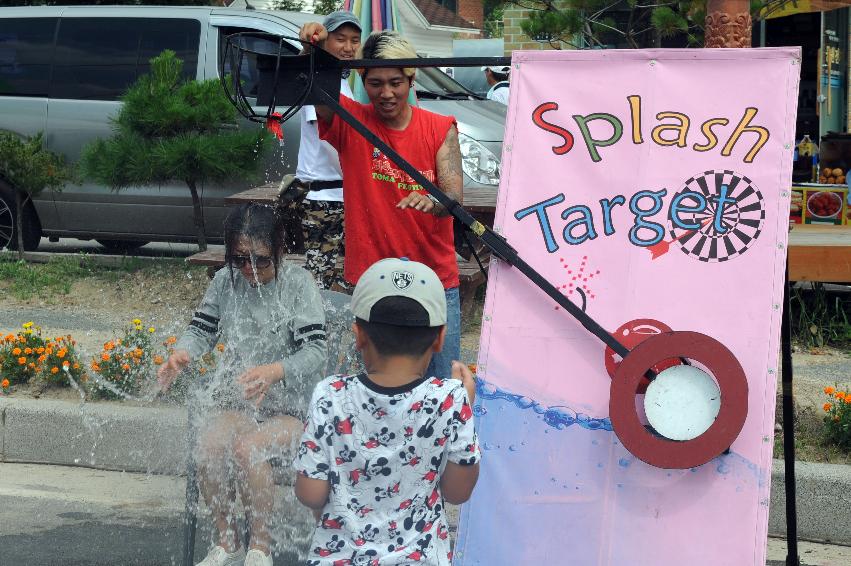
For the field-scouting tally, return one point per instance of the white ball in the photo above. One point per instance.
(682, 402)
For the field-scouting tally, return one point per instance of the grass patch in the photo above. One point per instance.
(810, 442)
(821, 317)
(26, 280)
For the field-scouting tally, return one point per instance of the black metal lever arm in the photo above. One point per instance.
(496, 243)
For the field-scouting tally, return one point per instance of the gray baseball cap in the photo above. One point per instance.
(400, 278)
(336, 19)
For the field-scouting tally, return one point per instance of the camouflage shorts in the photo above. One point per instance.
(323, 239)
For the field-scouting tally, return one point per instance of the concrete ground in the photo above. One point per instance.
(86, 517)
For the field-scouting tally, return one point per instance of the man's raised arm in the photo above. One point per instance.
(314, 33)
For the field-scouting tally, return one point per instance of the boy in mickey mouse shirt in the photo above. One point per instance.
(383, 450)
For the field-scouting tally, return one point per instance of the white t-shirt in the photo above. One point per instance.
(499, 92)
(317, 160)
(383, 450)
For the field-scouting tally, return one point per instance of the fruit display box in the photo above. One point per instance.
(820, 204)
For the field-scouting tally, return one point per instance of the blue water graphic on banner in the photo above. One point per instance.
(563, 473)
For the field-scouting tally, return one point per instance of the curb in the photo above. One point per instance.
(153, 440)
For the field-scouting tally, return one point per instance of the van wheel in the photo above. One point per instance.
(122, 246)
(31, 225)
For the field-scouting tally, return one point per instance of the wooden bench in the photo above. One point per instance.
(469, 275)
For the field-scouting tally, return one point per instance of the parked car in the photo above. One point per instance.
(63, 69)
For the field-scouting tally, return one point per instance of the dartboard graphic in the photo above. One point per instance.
(740, 221)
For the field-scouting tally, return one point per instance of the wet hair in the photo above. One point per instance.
(259, 223)
(387, 44)
(394, 340)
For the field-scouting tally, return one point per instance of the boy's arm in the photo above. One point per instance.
(311, 492)
(458, 481)
(314, 33)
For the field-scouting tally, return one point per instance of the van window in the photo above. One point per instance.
(99, 58)
(26, 47)
(249, 59)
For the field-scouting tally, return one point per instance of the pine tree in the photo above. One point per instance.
(170, 129)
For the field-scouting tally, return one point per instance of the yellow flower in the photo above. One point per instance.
(827, 407)
(28, 325)
(137, 322)
(152, 330)
(829, 390)
(54, 370)
(28, 331)
(4, 384)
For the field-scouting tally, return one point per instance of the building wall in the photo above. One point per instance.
(472, 11)
(431, 43)
(514, 36)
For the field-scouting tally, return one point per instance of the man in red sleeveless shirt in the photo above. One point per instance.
(387, 213)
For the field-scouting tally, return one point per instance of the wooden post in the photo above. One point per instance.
(728, 23)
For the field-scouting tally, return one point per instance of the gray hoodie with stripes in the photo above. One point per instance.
(280, 321)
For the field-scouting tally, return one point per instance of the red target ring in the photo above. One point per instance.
(661, 452)
(631, 334)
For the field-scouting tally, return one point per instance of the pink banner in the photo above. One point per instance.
(651, 187)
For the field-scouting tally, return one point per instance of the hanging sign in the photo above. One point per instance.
(653, 188)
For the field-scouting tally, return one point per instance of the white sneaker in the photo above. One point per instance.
(218, 556)
(257, 558)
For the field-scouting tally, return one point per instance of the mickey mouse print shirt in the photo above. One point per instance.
(383, 450)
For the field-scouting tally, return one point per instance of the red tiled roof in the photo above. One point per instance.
(437, 15)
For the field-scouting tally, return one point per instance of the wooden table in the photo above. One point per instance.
(816, 253)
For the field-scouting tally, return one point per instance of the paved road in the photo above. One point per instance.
(52, 515)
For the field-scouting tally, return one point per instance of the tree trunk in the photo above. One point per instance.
(197, 215)
(728, 23)
(19, 222)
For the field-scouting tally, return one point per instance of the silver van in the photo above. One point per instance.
(62, 70)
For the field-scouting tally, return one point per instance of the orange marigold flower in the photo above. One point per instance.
(31, 365)
(4, 384)
(839, 395)
(76, 365)
(39, 350)
(171, 340)
(10, 338)
(125, 367)
(104, 357)
(158, 360)
(220, 347)
(829, 390)
(95, 366)
(108, 346)
(41, 358)
(138, 352)
(28, 351)
(49, 351)
(66, 364)
(54, 370)
(61, 353)
(827, 407)
(16, 352)
(22, 361)
(202, 370)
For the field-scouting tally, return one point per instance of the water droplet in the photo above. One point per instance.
(623, 463)
(512, 448)
(595, 442)
(536, 492)
(600, 465)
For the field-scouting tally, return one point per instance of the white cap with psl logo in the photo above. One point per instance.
(393, 277)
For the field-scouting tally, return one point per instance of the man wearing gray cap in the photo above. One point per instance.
(319, 165)
(497, 77)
